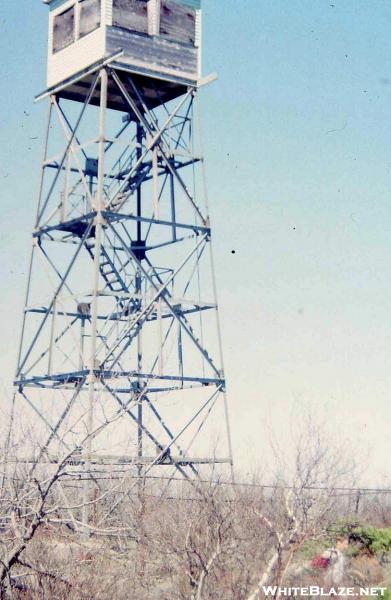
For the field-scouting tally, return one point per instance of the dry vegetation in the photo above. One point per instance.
(197, 543)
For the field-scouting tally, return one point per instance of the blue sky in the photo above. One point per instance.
(297, 137)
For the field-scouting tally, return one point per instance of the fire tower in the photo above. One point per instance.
(120, 364)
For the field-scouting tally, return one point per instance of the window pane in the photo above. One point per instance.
(89, 16)
(131, 14)
(177, 22)
(64, 29)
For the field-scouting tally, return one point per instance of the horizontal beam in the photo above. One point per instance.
(76, 376)
(118, 318)
(121, 176)
(163, 390)
(109, 461)
(113, 216)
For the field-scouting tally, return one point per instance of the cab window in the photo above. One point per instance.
(131, 14)
(177, 22)
(64, 29)
(90, 11)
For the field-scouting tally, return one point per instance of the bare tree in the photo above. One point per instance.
(302, 503)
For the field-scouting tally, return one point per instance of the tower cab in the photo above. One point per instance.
(152, 39)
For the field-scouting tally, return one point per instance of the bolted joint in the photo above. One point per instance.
(99, 219)
(91, 378)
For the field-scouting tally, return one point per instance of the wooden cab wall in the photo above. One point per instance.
(161, 37)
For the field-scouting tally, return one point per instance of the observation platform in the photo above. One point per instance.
(153, 89)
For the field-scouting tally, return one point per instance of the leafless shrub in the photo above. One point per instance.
(193, 542)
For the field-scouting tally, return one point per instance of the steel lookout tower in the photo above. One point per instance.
(120, 361)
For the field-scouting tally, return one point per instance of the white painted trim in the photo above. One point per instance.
(198, 40)
(153, 17)
(107, 19)
(77, 20)
(207, 80)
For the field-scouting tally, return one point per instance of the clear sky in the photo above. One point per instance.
(297, 137)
